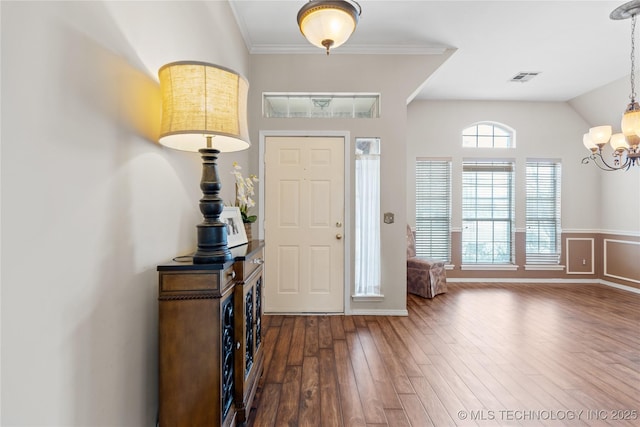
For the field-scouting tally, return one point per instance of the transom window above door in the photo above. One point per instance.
(321, 105)
(488, 135)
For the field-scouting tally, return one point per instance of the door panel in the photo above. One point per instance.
(304, 213)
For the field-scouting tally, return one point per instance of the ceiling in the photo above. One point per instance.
(572, 44)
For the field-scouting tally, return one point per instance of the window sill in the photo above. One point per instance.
(367, 298)
(544, 267)
(489, 267)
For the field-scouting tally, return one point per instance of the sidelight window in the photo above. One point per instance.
(367, 245)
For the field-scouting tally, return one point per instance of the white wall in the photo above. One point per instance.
(620, 193)
(395, 77)
(90, 203)
(543, 130)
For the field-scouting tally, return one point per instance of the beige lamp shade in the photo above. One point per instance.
(200, 100)
(327, 24)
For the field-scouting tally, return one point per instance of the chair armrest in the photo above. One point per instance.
(423, 263)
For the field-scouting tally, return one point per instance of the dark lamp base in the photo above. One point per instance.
(212, 245)
(212, 233)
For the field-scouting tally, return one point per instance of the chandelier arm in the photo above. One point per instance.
(629, 156)
(625, 165)
(600, 162)
(593, 158)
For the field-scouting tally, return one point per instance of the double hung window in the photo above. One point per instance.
(487, 212)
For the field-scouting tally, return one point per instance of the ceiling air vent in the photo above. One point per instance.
(524, 77)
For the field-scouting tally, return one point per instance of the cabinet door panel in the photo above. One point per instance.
(258, 320)
(227, 338)
(248, 325)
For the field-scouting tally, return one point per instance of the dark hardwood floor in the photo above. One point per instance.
(482, 354)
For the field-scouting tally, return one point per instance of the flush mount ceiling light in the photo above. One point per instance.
(625, 145)
(328, 24)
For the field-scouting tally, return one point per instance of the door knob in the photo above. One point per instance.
(338, 236)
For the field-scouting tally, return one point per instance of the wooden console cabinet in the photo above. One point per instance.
(210, 339)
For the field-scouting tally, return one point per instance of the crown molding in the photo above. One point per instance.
(265, 49)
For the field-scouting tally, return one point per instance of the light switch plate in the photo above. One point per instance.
(388, 218)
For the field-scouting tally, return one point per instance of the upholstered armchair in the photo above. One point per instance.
(424, 277)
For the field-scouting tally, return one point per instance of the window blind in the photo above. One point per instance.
(543, 213)
(487, 212)
(433, 209)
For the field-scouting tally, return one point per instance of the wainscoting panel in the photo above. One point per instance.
(621, 259)
(580, 255)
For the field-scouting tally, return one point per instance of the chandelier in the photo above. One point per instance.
(328, 24)
(626, 152)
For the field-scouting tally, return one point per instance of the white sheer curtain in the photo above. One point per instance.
(367, 266)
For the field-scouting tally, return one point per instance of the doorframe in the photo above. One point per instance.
(346, 135)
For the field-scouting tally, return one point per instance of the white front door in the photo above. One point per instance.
(304, 217)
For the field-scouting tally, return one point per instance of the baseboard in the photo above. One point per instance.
(296, 313)
(565, 281)
(619, 286)
(374, 312)
(516, 280)
(363, 312)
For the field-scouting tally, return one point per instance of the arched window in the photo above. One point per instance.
(488, 135)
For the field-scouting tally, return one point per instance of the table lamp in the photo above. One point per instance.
(204, 109)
